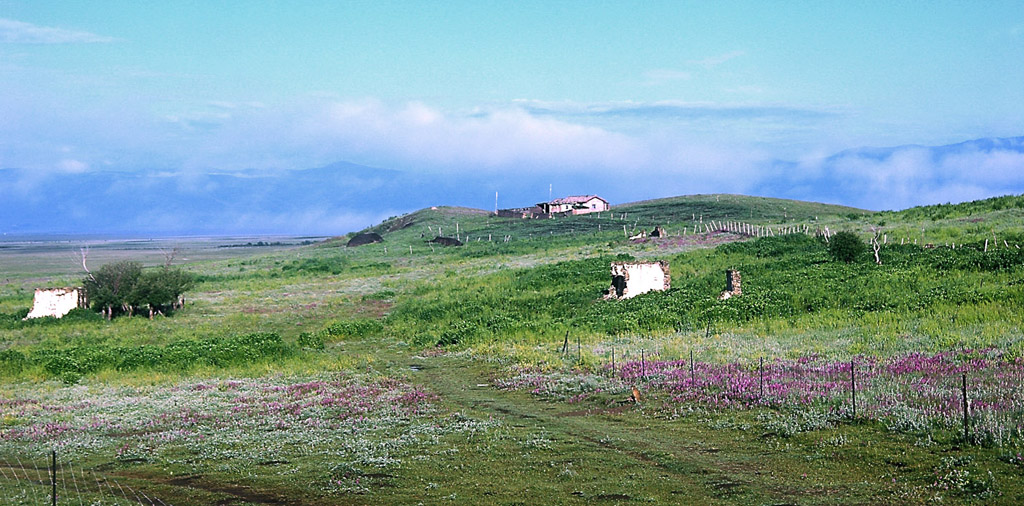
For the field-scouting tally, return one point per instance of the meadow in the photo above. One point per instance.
(409, 372)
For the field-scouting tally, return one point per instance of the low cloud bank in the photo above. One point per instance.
(235, 167)
(901, 177)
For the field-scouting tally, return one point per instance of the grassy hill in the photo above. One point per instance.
(998, 219)
(760, 210)
(493, 372)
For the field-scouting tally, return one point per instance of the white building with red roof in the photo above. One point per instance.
(575, 204)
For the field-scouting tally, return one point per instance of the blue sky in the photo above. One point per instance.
(707, 95)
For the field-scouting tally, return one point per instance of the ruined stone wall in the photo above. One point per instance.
(56, 302)
(630, 279)
(732, 282)
(733, 287)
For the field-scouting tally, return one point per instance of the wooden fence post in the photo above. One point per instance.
(853, 389)
(963, 393)
(760, 368)
(693, 372)
(53, 477)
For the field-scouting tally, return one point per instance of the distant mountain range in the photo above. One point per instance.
(342, 197)
(333, 199)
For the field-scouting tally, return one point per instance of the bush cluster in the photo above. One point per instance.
(846, 247)
(125, 288)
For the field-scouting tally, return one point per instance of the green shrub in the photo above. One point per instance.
(846, 247)
(311, 340)
(12, 361)
(65, 369)
(356, 328)
(381, 295)
(139, 357)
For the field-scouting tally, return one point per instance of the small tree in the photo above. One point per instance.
(113, 286)
(846, 246)
(163, 287)
(123, 287)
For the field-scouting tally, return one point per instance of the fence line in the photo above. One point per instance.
(16, 484)
(976, 391)
(712, 226)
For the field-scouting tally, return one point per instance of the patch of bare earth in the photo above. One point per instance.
(685, 242)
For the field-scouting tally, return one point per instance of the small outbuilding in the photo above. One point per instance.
(630, 279)
(57, 302)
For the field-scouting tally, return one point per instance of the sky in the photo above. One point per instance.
(681, 97)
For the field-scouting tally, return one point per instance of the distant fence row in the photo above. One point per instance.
(978, 394)
(711, 226)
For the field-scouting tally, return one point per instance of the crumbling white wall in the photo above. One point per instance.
(56, 302)
(630, 279)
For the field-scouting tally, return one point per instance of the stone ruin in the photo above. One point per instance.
(446, 241)
(57, 302)
(630, 279)
(361, 239)
(732, 285)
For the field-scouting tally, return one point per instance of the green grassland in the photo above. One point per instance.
(416, 338)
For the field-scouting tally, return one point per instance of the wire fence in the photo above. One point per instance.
(974, 395)
(53, 481)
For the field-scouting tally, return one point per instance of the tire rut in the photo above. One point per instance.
(460, 386)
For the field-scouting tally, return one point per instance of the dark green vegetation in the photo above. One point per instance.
(846, 247)
(451, 321)
(70, 364)
(124, 288)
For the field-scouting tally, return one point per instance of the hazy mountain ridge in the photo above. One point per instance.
(343, 196)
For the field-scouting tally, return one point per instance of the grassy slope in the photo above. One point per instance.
(737, 207)
(539, 454)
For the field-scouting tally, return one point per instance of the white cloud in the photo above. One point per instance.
(19, 32)
(658, 77)
(714, 61)
(917, 175)
(413, 135)
(999, 167)
(72, 166)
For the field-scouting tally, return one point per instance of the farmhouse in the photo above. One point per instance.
(56, 302)
(576, 204)
(630, 279)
